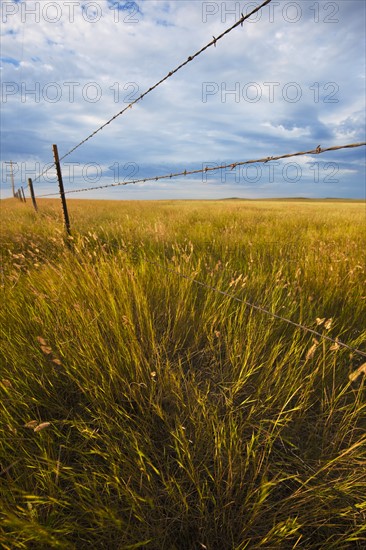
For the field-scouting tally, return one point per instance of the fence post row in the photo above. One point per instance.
(61, 186)
(31, 190)
(23, 195)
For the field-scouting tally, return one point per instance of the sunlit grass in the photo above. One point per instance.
(141, 410)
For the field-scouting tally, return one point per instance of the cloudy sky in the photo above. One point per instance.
(288, 80)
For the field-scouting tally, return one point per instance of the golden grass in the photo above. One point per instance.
(140, 410)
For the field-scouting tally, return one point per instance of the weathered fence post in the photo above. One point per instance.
(24, 199)
(31, 190)
(61, 186)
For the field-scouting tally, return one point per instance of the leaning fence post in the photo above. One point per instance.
(24, 199)
(61, 186)
(31, 190)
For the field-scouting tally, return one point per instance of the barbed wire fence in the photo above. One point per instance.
(318, 150)
(336, 342)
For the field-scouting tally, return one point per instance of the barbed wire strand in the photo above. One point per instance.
(316, 151)
(171, 73)
(258, 308)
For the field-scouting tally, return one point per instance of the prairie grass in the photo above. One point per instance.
(141, 410)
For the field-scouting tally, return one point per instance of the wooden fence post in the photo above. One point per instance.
(24, 199)
(61, 186)
(31, 190)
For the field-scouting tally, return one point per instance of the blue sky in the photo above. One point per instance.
(289, 80)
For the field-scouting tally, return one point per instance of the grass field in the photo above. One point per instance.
(142, 410)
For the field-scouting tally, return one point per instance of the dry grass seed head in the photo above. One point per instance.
(311, 350)
(31, 424)
(358, 372)
(328, 323)
(42, 426)
(320, 321)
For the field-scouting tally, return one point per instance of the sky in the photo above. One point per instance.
(292, 77)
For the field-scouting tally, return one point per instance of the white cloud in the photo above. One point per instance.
(279, 130)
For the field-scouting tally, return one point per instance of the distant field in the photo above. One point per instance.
(142, 410)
